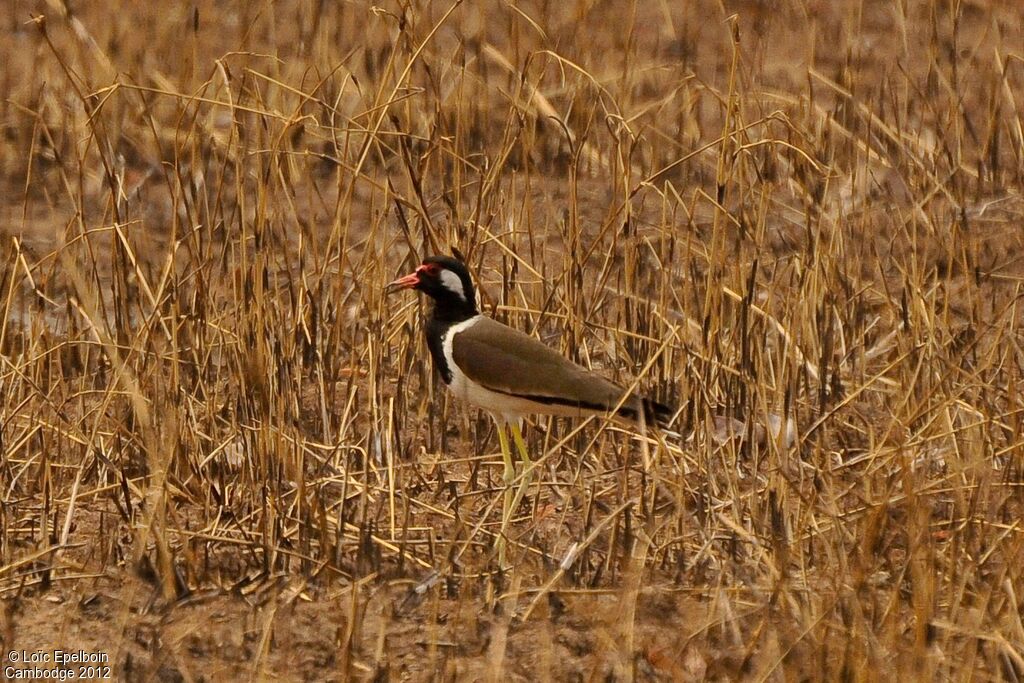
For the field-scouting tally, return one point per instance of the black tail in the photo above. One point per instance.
(655, 413)
(658, 413)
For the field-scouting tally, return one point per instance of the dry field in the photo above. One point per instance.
(224, 455)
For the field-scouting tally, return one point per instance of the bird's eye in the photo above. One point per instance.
(431, 269)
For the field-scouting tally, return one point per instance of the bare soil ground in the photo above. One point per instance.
(223, 452)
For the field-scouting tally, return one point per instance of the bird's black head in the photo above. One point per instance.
(446, 280)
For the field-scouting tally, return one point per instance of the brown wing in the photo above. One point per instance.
(505, 360)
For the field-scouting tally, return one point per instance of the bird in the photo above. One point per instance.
(508, 373)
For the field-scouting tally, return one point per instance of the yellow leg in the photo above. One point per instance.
(508, 477)
(517, 436)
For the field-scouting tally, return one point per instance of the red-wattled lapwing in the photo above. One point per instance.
(508, 373)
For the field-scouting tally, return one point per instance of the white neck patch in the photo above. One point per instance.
(453, 283)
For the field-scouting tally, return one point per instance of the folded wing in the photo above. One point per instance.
(505, 360)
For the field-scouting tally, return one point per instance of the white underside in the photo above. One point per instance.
(502, 406)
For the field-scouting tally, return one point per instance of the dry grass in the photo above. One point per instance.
(224, 454)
